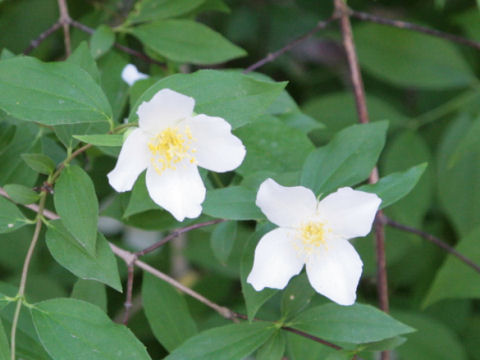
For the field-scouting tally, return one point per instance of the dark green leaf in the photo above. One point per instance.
(395, 186)
(76, 203)
(273, 349)
(223, 239)
(101, 139)
(4, 345)
(237, 98)
(40, 163)
(50, 93)
(187, 41)
(11, 218)
(74, 329)
(167, 313)
(354, 324)
(90, 291)
(347, 160)
(101, 266)
(230, 342)
(102, 40)
(302, 348)
(7, 133)
(21, 194)
(296, 296)
(232, 203)
(387, 344)
(148, 10)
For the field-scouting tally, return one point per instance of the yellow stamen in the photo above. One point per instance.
(169, 147)
(310, 236)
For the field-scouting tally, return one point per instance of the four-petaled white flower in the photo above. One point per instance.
(170, 142)
(314, 233)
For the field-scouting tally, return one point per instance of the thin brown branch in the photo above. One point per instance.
(176, 233)
(128, 301)
(433, 239)
(272, 56)
(311, 337)
(415, 27)
(43, 36)
(65, 20)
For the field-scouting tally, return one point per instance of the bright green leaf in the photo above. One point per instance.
(21, 194)
(302, 348)
(273, 349)
(102, 40)
(50, 93)
(150, 10)
(74, 329)
(101, 139)
(90, 291)
(296, 296)
(77, 204)
(223, 239)
(40, 163)
(230, 342)
(11, 218)
(83, 58)
(166, 312)
(347, 160)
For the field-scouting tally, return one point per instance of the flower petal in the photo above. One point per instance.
(217, 149)
(180, 191)
(335, 271)
(166, 108)
(133, 159)
(275, 261)
(349, 213)
(285, 206)
(131, 75)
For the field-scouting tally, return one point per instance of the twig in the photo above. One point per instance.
(272, 56)
(128, 301)
(414, 27)
(65, 20)
(43, 36)
(432, 239)
(176, 233)
(311, 337)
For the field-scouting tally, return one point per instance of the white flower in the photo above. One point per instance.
(131, 75)
(312, 233)
(170, 142)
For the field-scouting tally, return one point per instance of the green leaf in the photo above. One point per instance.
(395, 186)
(223, 239)
(253, 299)
(148, 10)
(296, 296)
(11, 218)
(4, 345)
(50, 93)
(82, 57)
(456, 279)
(77, 204)
(101, 266)
(187, 41)
(101, 139)
(347, 160)
(74, 329)
(140, 200)
(273, 349)
(167, 313)
(230, 342)
(21, 194)
(408, 58)
(232, 203)
(354, 324)
(302, 348)
(237, 98)
(40, 163)
(7, 134)
(467, 144)
(90, 291)
(102, 40)
(272, 145)
(387, 344)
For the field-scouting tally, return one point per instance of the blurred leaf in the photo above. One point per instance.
(296, 296)
(50, 93)
(354, 324)
(101, 139)
(232, 203)
(459, 185)
(237, 98)
(7, 134)
(455, 279)
(273, 349)
(77, 204)
(432, 340)
(149, 10)
(230, 342)
(4, 345)
(101, 266)
(469, 21)
(408, 58)
(467, 145)
(253, 299)
(223, 239)
(187, 41)
(167, 313)
(21, 194)
(387, 344)
(90, 291)
(101, 41)
(74, 329)
(83, 58)
(347, 160)
(40, 163)
(11, 218)
(272, 146)
(395, 186)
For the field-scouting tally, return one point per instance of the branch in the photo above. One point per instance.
(65, 20)
(272, 56)
(128, 301)
(414, 27)
(43, 36)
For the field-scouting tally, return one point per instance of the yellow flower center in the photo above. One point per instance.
(169, 147)
(313, 234)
